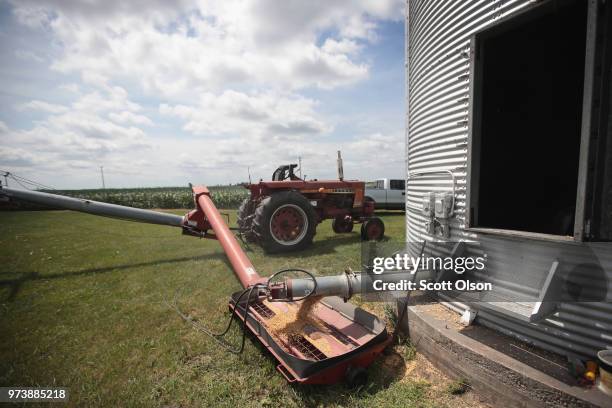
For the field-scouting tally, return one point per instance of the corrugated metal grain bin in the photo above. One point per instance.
(509, 124)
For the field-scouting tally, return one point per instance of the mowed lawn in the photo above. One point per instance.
(82, 306)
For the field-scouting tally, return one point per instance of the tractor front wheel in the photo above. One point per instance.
(342, 224)
(285, 221)
(372, 229)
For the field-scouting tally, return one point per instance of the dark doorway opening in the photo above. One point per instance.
(530, 84)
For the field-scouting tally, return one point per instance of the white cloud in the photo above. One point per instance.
(79, 134)
(274, 21)
(105, 99)
(127, 117)
(72, 88)
(33, 15)
(365, 157)
(178, 49)
(268, 115)
(28, 56)
(16, 158)
(231, 74)
(343, 46)
(42, 106)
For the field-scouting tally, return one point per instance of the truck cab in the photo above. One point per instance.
(387, 194)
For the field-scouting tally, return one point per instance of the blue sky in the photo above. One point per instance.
(166, 93)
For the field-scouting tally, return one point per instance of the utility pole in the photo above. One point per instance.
(300, 165)
(102, 174)
(6, 179)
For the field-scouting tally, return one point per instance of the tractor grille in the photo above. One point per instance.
(263, 310)
(306, 348)
(341, 337)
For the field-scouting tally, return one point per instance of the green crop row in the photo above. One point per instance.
(159, 197)
(223, 196)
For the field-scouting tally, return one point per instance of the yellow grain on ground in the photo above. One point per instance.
(285, 325)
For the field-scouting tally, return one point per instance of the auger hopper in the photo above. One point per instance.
(316, 340)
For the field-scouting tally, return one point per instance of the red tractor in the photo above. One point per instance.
(282, 215)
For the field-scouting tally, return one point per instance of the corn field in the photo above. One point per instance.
(226, 197)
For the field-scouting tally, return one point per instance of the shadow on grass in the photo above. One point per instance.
(16, 284)
(324, 246)
(383, 373)
(386, 213)
(330, 244)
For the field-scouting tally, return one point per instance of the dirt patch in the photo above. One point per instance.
(407, 365)
(441, 312)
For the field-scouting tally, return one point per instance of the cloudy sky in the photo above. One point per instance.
(170, 92)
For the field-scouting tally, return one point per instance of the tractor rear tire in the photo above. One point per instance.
(285, 221)
(372, 229)
(245, 220)
(340, 225)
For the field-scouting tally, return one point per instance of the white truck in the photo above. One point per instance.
(387, 194)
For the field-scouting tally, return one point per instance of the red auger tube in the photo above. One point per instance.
(243, 268)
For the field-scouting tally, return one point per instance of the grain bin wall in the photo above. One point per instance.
(438, 87)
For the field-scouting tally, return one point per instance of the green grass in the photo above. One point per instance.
(82, 306)
(458, 387)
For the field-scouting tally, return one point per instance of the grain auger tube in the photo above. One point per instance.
(316, 340)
